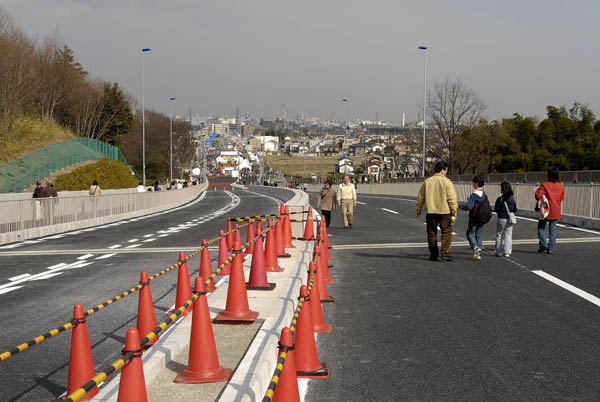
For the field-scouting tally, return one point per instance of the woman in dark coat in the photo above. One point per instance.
(326, 201)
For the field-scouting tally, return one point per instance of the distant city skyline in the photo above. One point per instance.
(215, 56)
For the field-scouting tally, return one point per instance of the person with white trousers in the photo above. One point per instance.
(506, 208)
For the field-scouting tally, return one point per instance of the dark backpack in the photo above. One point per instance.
(482, 213)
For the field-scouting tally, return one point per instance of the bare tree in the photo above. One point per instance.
(453, 107)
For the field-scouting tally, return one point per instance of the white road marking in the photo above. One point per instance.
(163, 235)
(16, 278)
(149, 240)
(47, 276)
(6, 290)
(32, 241)
(149, 235)
(104, 256)
(132, 240)
(133, 246)
(57, 266)
(454, 233)
(115, 246)
(363, 203)
(389, 210)
(581, 293)
(13, 245)
(85, 257)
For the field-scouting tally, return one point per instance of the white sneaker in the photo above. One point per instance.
(477, 253)
(506, 255)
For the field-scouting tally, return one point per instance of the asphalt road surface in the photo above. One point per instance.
(41, 280)
(524, 328)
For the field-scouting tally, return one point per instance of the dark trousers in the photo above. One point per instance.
(444, 221)
(327, 215)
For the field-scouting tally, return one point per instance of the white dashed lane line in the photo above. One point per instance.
(16, 278)
(149, 240)
(132, 240)
(115, 246)
(85, 257)
(133, 246)
(104, 256)
(389, 210)
(362, 203)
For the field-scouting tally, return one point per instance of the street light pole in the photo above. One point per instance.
(345, 121)
(171, 140)
(144, 50)
(424, 48)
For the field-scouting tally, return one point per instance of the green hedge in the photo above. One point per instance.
(109, 173)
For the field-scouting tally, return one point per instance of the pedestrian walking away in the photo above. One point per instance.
(95, 188)
(480, 213)
(346, 197)
(38, 194)
(438, 197)
(326, 201)
(553, 192)
(506, 208)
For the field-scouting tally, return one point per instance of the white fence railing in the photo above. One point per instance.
(581, 200)
(27, 214)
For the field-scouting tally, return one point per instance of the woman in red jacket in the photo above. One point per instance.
(555, 193)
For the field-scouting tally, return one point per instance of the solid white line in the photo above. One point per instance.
(16, 278)
(570, 288)
(85, 257)
(363, 203)
(115, 246)
(389, 210)
(104, 256)
(6, 290)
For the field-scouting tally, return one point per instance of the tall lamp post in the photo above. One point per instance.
(144, 50)
(171, 139)
(345, 121)
(424, 48)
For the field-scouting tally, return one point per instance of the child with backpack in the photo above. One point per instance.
(506, 208)
(480, 213)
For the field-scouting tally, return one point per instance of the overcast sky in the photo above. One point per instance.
(214, 55)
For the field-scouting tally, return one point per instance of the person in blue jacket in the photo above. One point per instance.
(478, 211)
(504, 226)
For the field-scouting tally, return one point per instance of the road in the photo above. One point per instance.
(409, 329)
(40, 280)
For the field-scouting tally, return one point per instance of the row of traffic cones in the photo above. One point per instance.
(203, 364)
(301, 352)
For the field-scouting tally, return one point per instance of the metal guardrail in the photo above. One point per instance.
(570, 176)
(19, 215)
(21, 173)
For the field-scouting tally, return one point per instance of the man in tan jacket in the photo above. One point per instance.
(346, 198)
(441, 205)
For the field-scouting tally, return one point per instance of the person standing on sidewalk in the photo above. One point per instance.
(346, 197)
(439, 198)
(95, 188)
(554, 192)
(326, 201)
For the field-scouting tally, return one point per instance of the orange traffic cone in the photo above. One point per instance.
(146, 319)
(287, 386)
(237, 235)
(309, 233)
(236, 309)
(132, 386)
(323, 264)
(279, 238)
(184, 289)
(307, 361)
(258, 269)
(319, 324)
(281, 208)
(81, 363)
(323, 237)
(203, 361)
(223, 255)
(320, 279)
(205, 266)
(287, 230)
(250, 237)
(326, 235)
(271, 250)
(229, 234)
(258, 226)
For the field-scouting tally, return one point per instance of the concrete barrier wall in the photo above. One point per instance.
(23, 219)
(581, 206)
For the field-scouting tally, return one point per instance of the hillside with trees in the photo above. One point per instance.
(43, 81)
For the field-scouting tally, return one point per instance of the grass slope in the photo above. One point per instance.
(26, 134)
